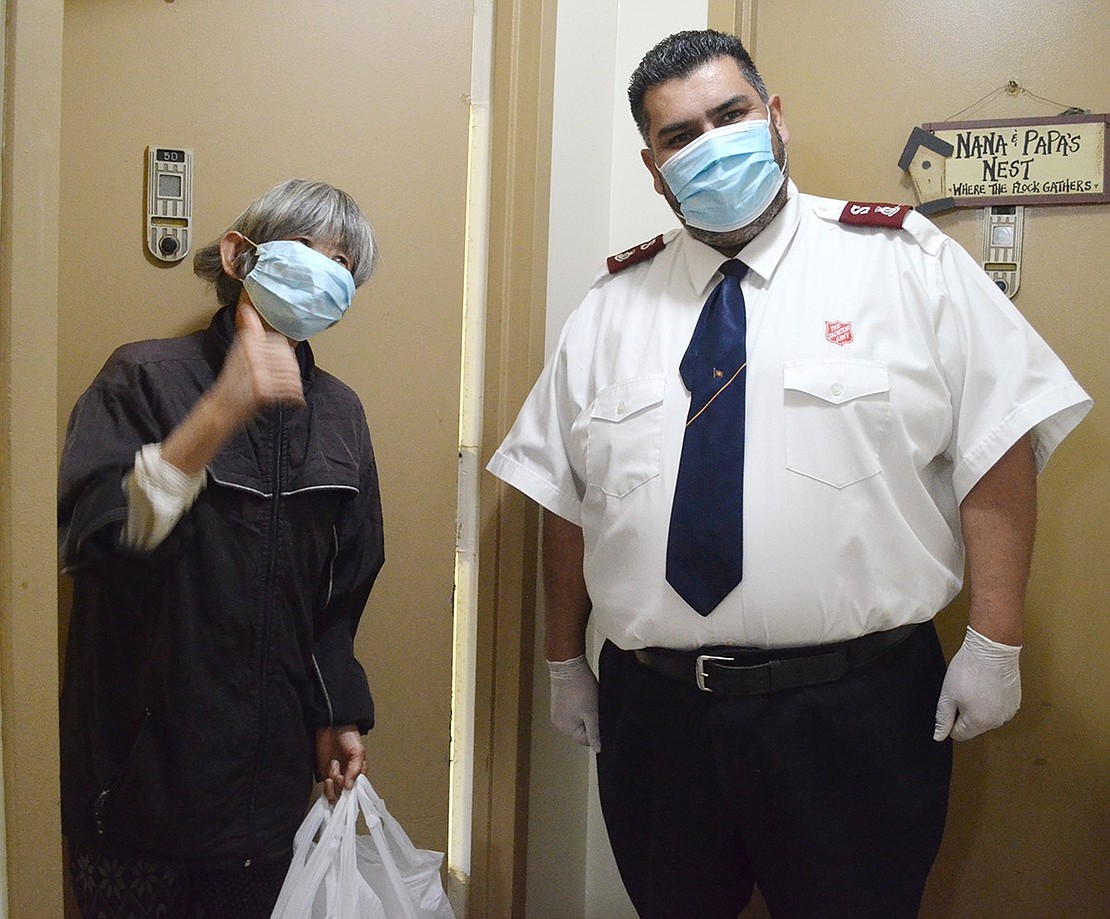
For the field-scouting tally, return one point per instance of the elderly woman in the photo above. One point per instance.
(222, 526)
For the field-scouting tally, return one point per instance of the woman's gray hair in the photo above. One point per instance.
(294, 209)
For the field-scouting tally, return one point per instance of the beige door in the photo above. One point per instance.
(372, 97)
(1027, 834)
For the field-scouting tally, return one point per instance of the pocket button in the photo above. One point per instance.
(624, 435)
(838, 389)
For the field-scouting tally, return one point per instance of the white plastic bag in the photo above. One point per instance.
(338, 874)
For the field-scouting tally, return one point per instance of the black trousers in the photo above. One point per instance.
(831, 798)
(114, 883)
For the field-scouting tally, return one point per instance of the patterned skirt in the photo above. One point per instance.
(113, 883)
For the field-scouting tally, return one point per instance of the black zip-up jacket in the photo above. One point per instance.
(197, 674)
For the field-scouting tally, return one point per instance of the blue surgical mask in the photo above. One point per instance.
(298, 290)
(725, 178)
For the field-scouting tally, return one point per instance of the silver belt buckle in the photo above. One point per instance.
(699, 669)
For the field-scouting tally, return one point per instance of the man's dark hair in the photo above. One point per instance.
(681, 54)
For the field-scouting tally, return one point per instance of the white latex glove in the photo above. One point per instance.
(574, 701)
(983, 684)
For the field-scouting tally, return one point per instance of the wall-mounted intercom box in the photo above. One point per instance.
(169, 202)
(1002, 246)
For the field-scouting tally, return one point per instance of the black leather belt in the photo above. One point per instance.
(737, 671)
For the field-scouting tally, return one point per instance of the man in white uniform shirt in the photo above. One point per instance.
(794, 730)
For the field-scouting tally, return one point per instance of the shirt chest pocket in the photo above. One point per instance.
(625, 435)
(836, 415)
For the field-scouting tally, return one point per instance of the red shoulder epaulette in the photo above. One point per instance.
(874, 214)
(635, 255)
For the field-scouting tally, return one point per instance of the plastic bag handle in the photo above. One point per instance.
(368, 802)
(299, 889)
(351, 895)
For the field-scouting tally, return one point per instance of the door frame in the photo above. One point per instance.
(31, 847)
(509, 537)
(523, 79)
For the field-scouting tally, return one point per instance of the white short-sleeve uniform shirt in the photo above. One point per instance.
(886, 374)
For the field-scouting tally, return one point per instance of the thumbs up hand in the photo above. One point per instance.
(260, 370)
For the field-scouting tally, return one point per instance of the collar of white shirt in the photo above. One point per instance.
(762, 255)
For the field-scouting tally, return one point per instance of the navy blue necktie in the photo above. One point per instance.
(705, 541)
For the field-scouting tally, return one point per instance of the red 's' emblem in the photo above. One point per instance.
(839, 333)
(874, 214)
(636, 254)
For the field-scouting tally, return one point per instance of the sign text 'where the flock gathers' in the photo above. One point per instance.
(1059, 160)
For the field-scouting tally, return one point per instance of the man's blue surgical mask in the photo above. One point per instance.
(298, 290)
(725, 178)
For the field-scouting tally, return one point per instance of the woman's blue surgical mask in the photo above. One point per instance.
(725, 178)
(298, 290)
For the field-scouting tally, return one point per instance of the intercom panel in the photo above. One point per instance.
(169, 202)
(1002, 246)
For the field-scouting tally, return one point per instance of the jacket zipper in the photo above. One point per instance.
(324, 687)
(268, 593)
(327, 603)
(106, 793)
